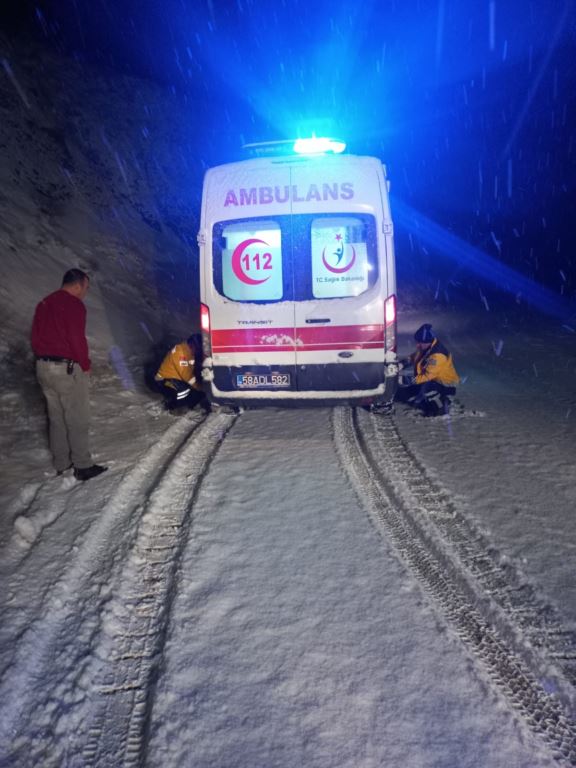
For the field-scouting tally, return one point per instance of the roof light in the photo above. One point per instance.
(318, 145)
(311, 146)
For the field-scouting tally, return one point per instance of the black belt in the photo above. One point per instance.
(54, 359)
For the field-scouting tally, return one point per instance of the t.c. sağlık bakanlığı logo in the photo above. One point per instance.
(339, 254)
(245, 260)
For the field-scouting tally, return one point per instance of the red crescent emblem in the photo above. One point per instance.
(237, 265)
(336, 269)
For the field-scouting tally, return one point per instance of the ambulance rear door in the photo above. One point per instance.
(250, 288)
(339, 276)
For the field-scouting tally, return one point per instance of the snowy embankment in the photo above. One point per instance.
(93, 175)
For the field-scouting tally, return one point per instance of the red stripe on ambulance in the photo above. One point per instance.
(282, 339)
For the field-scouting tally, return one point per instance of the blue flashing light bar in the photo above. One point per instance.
(318, 146)
(311, 146)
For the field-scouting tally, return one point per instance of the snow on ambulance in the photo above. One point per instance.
(297, 279)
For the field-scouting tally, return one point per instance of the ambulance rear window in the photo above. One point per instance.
(342, 262)
(248, 260)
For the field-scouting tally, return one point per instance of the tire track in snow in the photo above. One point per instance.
(398, 501)
(75, 600)
(129, 648)
(518, 604)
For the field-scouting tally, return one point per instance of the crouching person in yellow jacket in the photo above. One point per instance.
(435, 378)
(178, 378)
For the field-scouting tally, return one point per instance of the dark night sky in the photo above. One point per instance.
(472, 105)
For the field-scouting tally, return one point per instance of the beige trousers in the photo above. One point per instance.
(68, 413)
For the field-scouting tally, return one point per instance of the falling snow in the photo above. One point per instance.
(110, 113)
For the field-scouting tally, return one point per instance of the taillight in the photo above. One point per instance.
(390, 324)
(204, 318)
(205, 328)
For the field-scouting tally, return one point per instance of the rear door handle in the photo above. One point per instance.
(318, 320)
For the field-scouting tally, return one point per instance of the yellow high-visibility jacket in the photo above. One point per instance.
(179, 363)
(435, 364)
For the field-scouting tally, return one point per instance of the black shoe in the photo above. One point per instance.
(88, 472)
(431, 408)
(61, 471)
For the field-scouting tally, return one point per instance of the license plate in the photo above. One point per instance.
(271, 380)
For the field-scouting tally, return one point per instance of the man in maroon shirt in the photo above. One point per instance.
(62, 367)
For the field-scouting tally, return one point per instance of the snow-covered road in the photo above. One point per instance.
(228, 595)
(292, 634)
(298, 638)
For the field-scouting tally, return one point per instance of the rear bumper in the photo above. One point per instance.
(326, 383)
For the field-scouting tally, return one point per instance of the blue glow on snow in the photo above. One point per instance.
(482, 264)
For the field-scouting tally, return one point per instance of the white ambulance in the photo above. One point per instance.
(297, 279)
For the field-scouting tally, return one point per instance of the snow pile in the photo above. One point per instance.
(96, 173)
